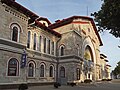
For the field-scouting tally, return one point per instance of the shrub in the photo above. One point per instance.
(56, 84)
(23, 86)
(87, 81)
(109, 79)
(72, 84)
(104, 79)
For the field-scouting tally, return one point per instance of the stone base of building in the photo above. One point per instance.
(16, 85)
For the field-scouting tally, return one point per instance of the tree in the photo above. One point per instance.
(116, 71)
(108, 18)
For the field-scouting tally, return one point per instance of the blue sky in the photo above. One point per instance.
(60, 9)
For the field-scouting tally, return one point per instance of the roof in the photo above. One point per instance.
(106, 60)
(20, 8)
(66, 21)
(103, 55)
(108, 65)
(37, 23)
(45, 19)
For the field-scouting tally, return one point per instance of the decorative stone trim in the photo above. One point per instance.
(15, 13)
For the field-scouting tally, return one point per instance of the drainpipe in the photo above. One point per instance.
(57, 58)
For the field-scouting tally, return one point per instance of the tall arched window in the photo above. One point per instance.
(15, 33)
(31, 68)
(28, 41)
(62, 72)
(40, 41)
(13, 67)
(52, 50)
(42, 70)
(51, 71)
(34, 44)
(44, 45)
(62, 50)
(48, 46)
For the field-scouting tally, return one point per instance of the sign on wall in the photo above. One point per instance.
(23, 59)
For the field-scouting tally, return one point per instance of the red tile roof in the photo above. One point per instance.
(37, 23)
(70, 19)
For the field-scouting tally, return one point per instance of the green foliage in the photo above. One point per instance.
(116, 71)
(108, 18)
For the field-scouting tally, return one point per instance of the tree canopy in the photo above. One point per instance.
(116, 71)
(108, 18)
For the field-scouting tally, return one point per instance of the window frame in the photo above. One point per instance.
(12, 66)
(29, 39)
(31, 62)
(43, 72)
(62, 72)
(51, 73)
(35, 41)
(18, 33)
(61, 50)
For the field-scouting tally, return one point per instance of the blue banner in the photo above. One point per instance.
(23, 60)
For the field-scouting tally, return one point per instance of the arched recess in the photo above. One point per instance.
(88, 45)
(88, 54)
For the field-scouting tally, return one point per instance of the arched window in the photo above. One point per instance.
(34, 44)
(42, 70)
(62, 72)
(31, 68)
(44, 45)
(51, 72)
(88, 55)
(28, 41)
(62, 50)
(52, 50)
(15, 34)
(48, 46)
(13, 67)
(40, 41)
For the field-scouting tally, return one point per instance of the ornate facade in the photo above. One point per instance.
(33, 50)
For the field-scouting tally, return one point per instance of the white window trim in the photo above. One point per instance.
(53, 70)
(44, 70)
(60, 50)
(28, 69)
(18, 68)
(19, 29)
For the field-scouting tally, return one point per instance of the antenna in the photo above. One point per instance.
(87, 10)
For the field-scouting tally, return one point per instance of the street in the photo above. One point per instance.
(98, 86)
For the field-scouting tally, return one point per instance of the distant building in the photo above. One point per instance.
(33, 50)
(104, 67)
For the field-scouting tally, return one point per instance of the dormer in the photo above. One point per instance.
(44, 21)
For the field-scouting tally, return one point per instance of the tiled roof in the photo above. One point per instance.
(37, 23)
(66, 21)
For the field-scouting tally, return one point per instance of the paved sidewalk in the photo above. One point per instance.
(99, 86)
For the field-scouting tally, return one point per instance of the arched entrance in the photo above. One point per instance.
(88, 63)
